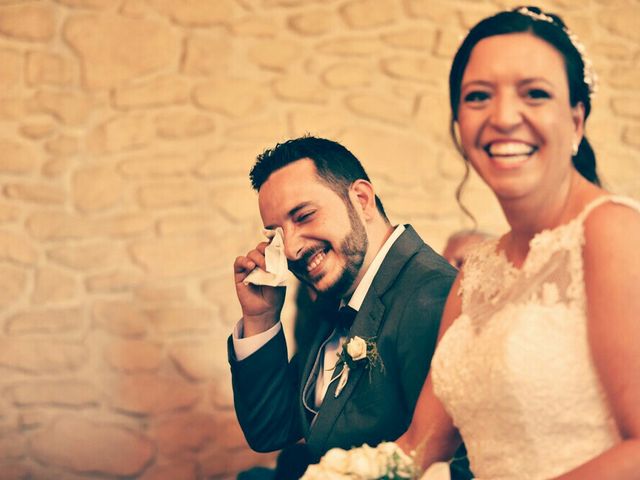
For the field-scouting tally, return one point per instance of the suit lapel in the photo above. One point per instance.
(365, 325)
(405, 247)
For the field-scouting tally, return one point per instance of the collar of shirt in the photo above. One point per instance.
(361, 290)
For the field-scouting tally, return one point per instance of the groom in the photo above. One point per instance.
(339, 241)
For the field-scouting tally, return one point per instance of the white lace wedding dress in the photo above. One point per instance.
(514, 371)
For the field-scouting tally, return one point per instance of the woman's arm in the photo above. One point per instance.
(612, 279)
(431, 433)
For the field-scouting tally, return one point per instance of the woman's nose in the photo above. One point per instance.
(505, 113)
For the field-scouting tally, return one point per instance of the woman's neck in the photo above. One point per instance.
(530, 215)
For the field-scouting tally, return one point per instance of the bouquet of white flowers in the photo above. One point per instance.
(387, 461)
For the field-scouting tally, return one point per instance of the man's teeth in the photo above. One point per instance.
(315, 261)
(510, 148)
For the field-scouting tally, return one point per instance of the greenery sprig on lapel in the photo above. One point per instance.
(357, 352)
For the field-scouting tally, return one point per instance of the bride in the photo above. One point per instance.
(538, 362)
(537, 367)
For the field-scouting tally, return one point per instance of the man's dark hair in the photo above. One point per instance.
(337, 167)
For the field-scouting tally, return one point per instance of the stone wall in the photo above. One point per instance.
(127, 128)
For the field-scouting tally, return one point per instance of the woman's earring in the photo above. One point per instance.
(575, 147)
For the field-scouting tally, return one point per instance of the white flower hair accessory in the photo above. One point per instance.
(357, 352)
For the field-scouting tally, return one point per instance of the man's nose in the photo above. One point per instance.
(293, 244)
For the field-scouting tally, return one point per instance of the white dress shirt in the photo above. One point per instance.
(244, 347)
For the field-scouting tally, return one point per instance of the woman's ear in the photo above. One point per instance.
(577, 114)
(362, 193)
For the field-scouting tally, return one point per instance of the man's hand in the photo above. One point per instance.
(261, 305)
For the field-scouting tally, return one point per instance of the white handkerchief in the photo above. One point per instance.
(276, 263)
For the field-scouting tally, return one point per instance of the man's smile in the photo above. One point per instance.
(310, 264)
(315, 261)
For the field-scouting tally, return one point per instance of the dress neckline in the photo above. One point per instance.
(546, 235)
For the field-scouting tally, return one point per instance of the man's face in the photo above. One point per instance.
(325, 240)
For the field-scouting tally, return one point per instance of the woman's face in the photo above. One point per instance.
(516, 124)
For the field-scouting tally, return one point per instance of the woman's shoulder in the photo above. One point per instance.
(610, 211)
(612, 222)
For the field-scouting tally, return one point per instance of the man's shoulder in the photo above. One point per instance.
(425, 273)
(413, 273)
(419, 258)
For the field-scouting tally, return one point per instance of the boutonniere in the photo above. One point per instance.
(357, 352)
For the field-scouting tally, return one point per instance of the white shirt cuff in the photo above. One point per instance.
(244, 347)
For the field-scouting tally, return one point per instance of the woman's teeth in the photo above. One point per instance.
(510, 149)
(315, 261)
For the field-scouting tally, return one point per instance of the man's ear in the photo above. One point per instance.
(362, 193)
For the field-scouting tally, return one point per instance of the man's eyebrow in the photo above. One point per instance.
(297, 208)
(291, 213)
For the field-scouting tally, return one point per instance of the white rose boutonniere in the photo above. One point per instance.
(357, 352)
(357, 348)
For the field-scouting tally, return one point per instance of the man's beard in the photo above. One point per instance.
(353, 249)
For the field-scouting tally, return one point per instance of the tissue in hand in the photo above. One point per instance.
(276, 262)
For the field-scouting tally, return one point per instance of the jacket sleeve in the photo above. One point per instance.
(265, 393)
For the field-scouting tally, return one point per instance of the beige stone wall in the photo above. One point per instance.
(127, 128)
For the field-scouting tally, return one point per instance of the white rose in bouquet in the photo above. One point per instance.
(386, 461)
(365, 462)
(397, 461)
(338, 459)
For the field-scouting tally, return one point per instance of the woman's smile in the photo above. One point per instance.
(509, 154)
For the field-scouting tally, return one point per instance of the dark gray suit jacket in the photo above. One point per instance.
(402, 311)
